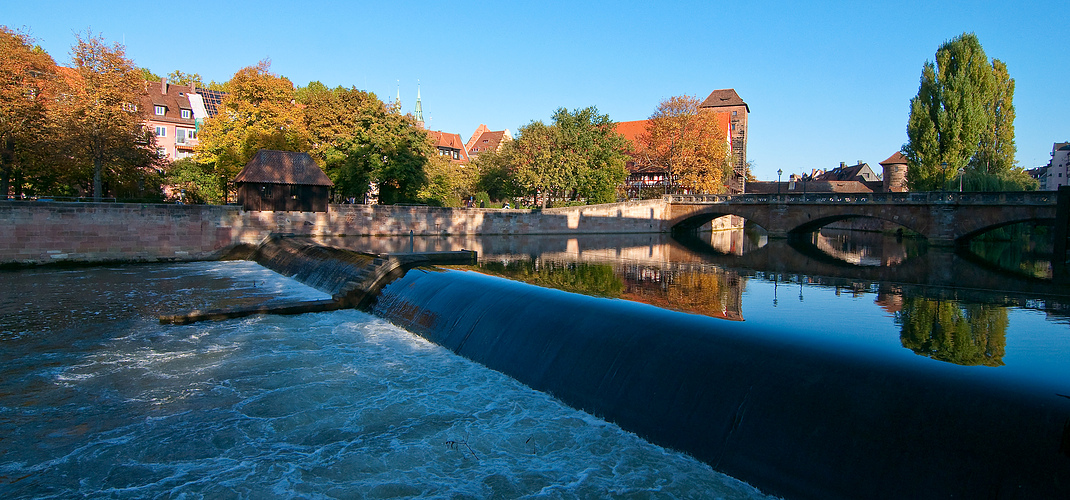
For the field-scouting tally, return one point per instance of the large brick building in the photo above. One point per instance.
(728, 102)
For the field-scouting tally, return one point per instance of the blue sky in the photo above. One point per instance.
(826, 82)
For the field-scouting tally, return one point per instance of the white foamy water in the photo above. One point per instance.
(329, 405)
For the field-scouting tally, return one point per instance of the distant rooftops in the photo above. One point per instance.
(485, 139)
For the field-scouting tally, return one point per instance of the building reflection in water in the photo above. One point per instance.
(944, 306)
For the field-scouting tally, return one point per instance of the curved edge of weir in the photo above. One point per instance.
(792, 420)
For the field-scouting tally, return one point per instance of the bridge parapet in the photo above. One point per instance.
(1033, 198)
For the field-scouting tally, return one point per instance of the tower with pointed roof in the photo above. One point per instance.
(419, 113)
(728, 101)
(397, 101)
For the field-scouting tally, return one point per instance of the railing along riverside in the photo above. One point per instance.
(1041, 198)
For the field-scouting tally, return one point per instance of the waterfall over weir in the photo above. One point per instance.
(791, 418)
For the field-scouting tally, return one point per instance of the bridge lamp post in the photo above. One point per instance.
(779, 172)
(961, 171)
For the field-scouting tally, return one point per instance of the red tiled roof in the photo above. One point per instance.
(896, 159)
(174, 101)
(632, 130)
(488, 141)
(723, 98)
(283, 167)
(445, 140)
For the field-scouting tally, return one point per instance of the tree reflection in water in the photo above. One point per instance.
(964, 334)
(578, 277)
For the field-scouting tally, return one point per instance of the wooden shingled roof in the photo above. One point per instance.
(282, 167)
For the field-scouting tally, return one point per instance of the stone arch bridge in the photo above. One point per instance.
(942, 218)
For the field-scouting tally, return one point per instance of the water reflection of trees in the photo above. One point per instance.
(1022, 248)
(578, 277)
(709, 292)
(964, 334)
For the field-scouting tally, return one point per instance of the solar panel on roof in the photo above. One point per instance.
(212, 100)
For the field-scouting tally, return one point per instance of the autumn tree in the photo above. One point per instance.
(27, 76)
(259, 112)
(100, 114)
(688, 144)
(963, 118)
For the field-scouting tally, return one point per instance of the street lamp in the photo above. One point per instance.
(961, 171)
(943, 176)
(778, 174)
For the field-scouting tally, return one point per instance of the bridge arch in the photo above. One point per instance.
(974, 232)
(780, 222)
(816, 224)
(941, 217)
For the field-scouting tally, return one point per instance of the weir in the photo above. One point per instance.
(796, 420)
(352, 278)
(793, 418)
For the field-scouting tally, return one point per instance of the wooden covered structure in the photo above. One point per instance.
(282, 181)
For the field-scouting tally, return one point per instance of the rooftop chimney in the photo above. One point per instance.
(843, 164)
(163, 85)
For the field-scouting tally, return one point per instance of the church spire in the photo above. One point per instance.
(419, 107)
(397, 102)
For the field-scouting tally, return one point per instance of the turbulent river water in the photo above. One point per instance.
(97, 400)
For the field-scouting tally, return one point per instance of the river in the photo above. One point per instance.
(98, 400)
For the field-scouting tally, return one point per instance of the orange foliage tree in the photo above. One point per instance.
(99, 113)
(687, 144)
(26, 86)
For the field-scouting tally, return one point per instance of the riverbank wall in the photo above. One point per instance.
(37, 232)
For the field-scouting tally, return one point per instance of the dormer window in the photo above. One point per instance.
(186, 114)
(159, 110)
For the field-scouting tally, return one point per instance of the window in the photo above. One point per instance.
(186, 114)
(733, 113)
(180, 136)
(159, 110)
(161, 131)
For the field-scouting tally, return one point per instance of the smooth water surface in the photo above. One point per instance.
(98, 400)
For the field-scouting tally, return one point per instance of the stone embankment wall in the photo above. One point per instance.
(49, 232)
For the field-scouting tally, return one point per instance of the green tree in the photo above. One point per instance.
(193, 182)
(259, 112)
(579, 157)
(962, 118)
(360, 141)
(147, 75)
(493, 173)
(594, 151)
(688, 144)
(179, 78)
(100, 116)
(27, 76)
